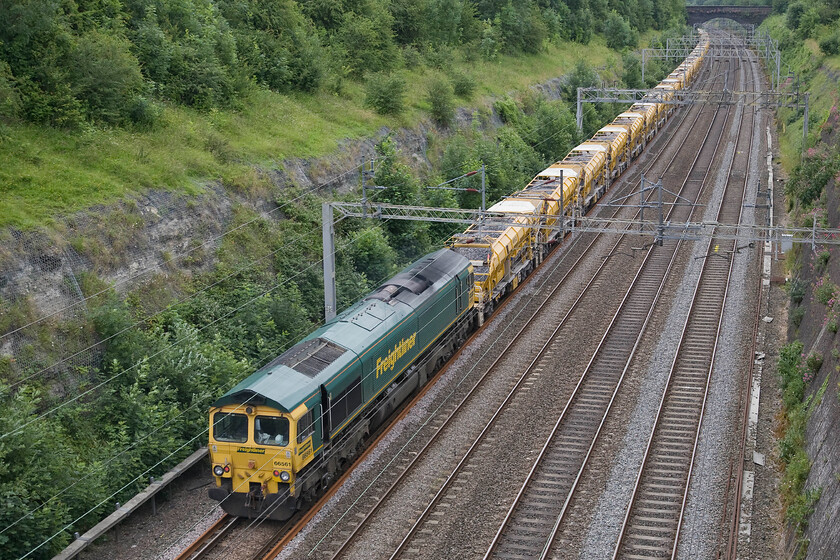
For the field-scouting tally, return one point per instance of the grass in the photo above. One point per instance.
(49, 173)
(808, 61)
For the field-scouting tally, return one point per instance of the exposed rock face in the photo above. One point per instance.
(823, 428)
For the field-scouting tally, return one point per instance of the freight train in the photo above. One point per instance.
(278, 438)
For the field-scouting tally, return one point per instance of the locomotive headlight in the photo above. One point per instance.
(284, 476)
(218, 470)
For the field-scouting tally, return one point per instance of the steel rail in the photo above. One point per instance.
(210, 538)
(750, 156)
(486, 375)
(291, 533)
(745, 397)
(469, 452)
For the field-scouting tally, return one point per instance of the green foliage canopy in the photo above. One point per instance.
(65, 64)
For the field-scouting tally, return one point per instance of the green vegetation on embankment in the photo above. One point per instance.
(99, 100)
(807, 43)
(809, 39)
(50, 171)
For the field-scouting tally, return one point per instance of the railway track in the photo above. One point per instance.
(227, 537)
(215, 534)
(651, 528)
(534, 519)
(405, 548)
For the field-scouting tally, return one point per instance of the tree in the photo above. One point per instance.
(105, 76)
(367, 42)
(618, 32)
(410, 239)
(794, 13)
(582, 76)
(632, 73)
(830, 45)
(372, 255)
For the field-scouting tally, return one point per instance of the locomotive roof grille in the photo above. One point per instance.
(311, 357)
(413, 282)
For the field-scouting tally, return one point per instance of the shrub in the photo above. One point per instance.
(802, 507)
(796, 290)
(811, 176)
(441, 100)
(411, 57)
(632, 73)
(796, 316)
(439, 57)
(822, 261)
(789, 360)
(9, 98)
(831, 45)
(463, 84)
(814, 362)
(491, 40)
(385, 93)
(508, 110)
(144, 113)
(824, 290)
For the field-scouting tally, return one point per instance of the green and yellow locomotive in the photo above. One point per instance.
(280, 435)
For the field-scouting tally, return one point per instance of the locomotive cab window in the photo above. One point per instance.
(271, 430)
(230, 427)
